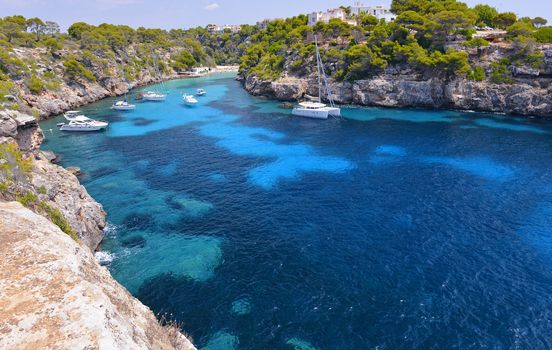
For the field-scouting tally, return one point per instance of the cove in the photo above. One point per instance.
(396, 229)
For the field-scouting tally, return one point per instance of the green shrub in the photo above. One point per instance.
(14, 167)
(28, 199)
(35, 84)
(5, 89)
(543, 35)
(478, 74)
(57, 218)
(52, 44)
(500, 73)
(183, 60)
(76, 70)
(477, 43)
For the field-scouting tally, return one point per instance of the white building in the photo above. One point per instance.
(380, 12)
(233, 28)
(325, 17)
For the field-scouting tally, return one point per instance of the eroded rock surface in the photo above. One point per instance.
(55, 295)
(51, 183)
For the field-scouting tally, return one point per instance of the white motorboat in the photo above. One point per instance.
(190, 100)
(154, 96)
(123, 106)
(82, 123)
(201, 92)
(317, 109)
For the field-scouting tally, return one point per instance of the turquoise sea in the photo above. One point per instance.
(386, 229)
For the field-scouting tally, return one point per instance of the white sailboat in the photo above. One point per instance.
(318, 110)
(123, 105)
(155, 96)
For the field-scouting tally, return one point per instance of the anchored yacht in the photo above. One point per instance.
(123, 106)
(154, 96)
(82, 123)
(317, 109)
(190, 100)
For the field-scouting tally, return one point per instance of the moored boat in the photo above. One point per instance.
(190, 100)
(201, 92)
(317, 109)
(154, 96)
(82, 123)
(123, 106)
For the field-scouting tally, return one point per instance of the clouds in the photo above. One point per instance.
(212, 6)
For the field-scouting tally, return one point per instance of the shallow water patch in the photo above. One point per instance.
(478, 166)
(495, 124)
(387, 154)
(221, 341)
(300, 344)
(194, 257)
(290, 159)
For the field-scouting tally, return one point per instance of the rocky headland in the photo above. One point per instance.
(530, 92)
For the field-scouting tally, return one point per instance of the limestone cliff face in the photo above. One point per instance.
(50, 183)
(72, 94)
(55, 295)
(403, 86)
(387, 90)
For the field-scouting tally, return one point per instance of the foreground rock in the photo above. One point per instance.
(55, 295)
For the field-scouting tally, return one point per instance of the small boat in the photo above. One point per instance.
(154, 96)
(201, 92)
(190, 100)
(82, 123)
(123, 106)
(317, 109)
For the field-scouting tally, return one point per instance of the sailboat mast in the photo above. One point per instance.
(318, 69)
(124, 76)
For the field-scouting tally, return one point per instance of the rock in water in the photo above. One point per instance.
(55, 295)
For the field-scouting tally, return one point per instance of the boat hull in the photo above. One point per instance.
(124, 108)
(311, 113)
(154, 98)
(334, 111)
(82, 128)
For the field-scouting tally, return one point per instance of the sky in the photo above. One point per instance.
(168, 14)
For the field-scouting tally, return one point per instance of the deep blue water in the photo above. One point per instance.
(388, 229)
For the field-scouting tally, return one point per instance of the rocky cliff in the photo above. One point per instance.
(46, 188)
(55, 295)
(400, 86)
(71, 94)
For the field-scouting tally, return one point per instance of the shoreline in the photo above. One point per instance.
(520, 99)
(217, 70)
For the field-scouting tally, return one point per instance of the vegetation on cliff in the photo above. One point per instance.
(431, 37)
(29, 48)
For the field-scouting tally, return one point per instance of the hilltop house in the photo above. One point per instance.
(379, 11)
(233, 28)
(325, 17)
